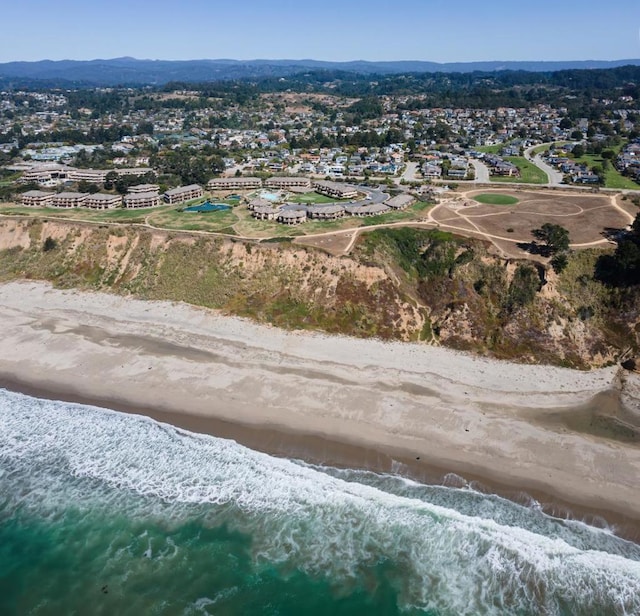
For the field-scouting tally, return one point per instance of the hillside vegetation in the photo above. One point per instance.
(405, 284)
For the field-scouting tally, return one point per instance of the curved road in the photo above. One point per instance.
(555, 176)
(482, 172)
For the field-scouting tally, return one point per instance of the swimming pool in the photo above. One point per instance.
(271, 196)
(208, 207)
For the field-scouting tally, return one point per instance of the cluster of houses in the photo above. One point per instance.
(448, 165)
(628, 161)
(498, 166)
(574, 171)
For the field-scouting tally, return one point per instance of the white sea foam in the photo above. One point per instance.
(451, 550)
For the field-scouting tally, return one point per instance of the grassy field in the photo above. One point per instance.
(237, 221)
(214, 222)
(81, 214)
(496, 199)
(547, 146)
(311, 198)
(491, 149)
(410, 214)
(613, 178)
(529, 173)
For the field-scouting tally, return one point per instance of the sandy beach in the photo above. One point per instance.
(336, 400)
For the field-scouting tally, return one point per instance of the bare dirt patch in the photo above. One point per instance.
(589, 218)
(335, 244)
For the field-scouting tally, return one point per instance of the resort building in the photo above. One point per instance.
(336, 190)
(69, 199)
(131, 171)
(93, 176)
(101, 201)
(234, 183)
(291, 217)
(144, 188)
(265, 212)
(37, 198)
(183, 193)
(283, 183)
(47, 174)
(259, 202)
(372, 209)
(326, 212)
(136, 200)
(50, 174)
(400, 202)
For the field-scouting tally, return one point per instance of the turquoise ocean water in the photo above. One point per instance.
(107, 513)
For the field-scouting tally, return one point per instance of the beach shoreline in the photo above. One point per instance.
(328, 400)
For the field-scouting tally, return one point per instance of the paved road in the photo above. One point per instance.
(409, 174)
(555, 176)
(482, 171)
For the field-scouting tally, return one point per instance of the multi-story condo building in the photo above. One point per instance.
(36, 198)
(183, 193)
(144, 188)
(239, 183)
(69, 199)
(146, 199)
(101, 201)
(283, 182)
(335, 189)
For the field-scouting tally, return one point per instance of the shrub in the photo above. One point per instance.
(559, 262)
(523, 287)
(49, 244)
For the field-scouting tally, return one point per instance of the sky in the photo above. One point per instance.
(433, 30)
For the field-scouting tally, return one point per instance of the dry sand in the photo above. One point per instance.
(534, 428)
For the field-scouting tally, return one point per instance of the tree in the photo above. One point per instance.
(559, 262)
(49, 244)
(555, 238)
(578, 150)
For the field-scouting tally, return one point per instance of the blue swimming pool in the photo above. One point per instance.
(207, 207)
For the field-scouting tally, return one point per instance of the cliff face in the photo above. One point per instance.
(401, 284)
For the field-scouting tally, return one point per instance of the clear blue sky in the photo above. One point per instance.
(436, 30)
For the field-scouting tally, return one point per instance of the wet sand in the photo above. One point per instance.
(421, 411)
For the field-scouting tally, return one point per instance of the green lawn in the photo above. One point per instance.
(613, 178)
(529, 173)
(491, 149)
(235, 221)
(547, 146)
(311, 198)
(410, 214)
(496, 199)
(115, 215)
(193, 221)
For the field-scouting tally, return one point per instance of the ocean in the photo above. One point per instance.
(107, 513)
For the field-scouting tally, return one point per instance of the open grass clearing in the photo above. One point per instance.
(612, 177)
(529, 173)
(496, 199)
(491, 149)
(82, 214)
(193, 221)
(311, 198)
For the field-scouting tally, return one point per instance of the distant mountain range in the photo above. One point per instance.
(130, 71)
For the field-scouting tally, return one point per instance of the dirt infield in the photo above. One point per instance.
(589, 218)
